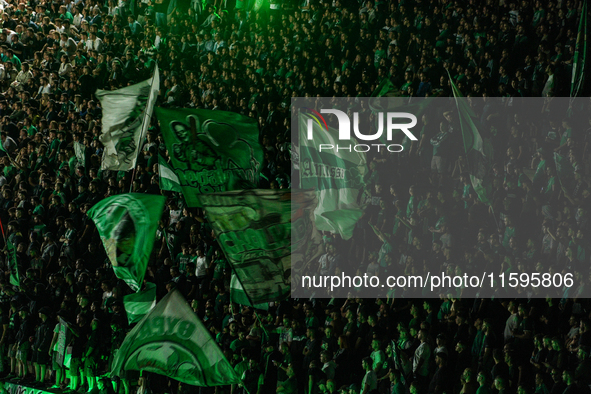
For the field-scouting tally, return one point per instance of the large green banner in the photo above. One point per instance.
(172, 341)
(211, 151)
(254, 229)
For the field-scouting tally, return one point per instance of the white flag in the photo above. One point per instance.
(126, 118)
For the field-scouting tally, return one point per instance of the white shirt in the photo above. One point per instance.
(423, 352)
(78, 20)
(200, 267)
(96, 44)
(371, 379)
(175, 216)
(511, 324)
(44, 89)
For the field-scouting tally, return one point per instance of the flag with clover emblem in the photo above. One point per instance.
(171, 340)
(211, 151)
(127, 226)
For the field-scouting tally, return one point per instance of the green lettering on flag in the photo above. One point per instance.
(137, 305)
(211, 151)
(168, 179)
(336, 176)
(254, 229)
(171, 340)
(127, 225)
(12, 264)
(478, 151)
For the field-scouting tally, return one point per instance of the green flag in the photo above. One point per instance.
(168, 179)
(127, 226)
(477, 150)
(12, 264)
(172, 341)
(126, 117)
(63, 338)
(564, 170)
(337, 177)
(580, 55)
(254, 229)
(385, 89)
(211, 151)
(137, 305)
(239, 296)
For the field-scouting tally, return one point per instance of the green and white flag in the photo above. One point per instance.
(63, 338)
(127, 225)
(126, 118)
(12, 264)
(580, 55)
(479, 153)
(336, 176)
(168, 179)
(211, 151)
(79, 151)
(172, 341)
(137, 305)
(254, 229)
(239, 296)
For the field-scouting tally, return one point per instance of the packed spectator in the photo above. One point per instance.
(252, 57)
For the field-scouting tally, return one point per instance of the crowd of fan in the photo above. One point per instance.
(226, 56)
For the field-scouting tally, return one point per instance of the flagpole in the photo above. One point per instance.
(144, 127)
(261, 323)
(132, 178)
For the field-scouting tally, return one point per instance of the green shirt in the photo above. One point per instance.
(566, 135)
(16, 62)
